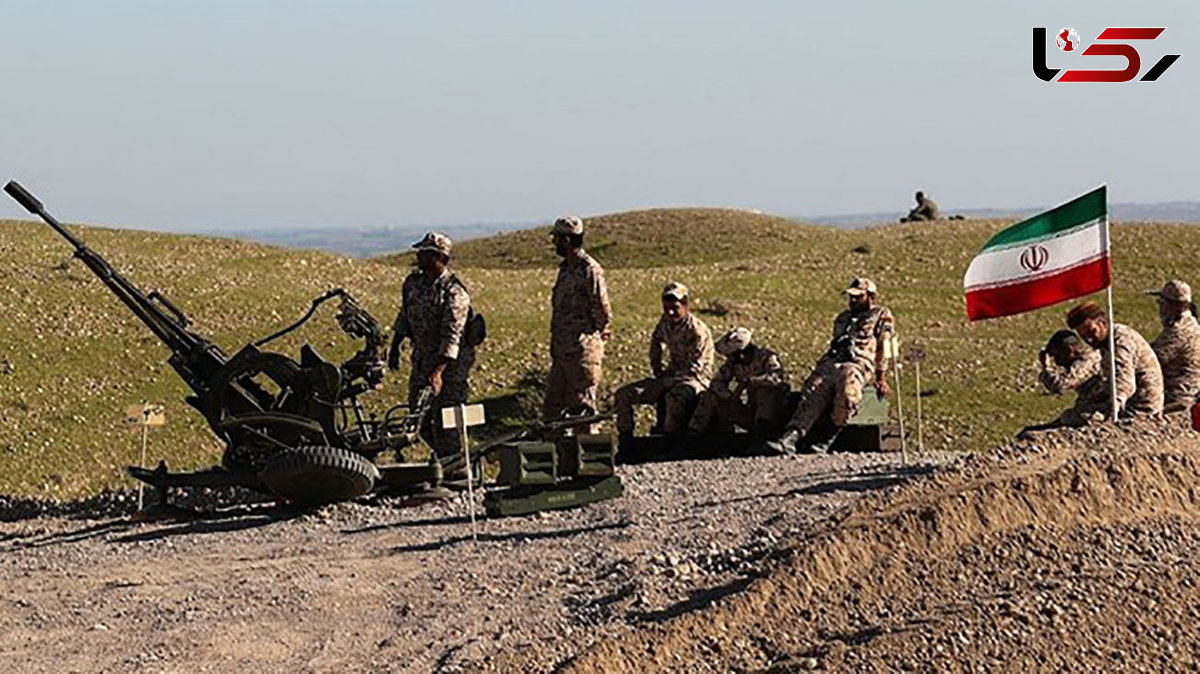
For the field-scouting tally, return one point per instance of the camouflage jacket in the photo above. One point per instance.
(925, 210)
(690, 344)
(1083, 377)
(1178, 351)
(856, 336)
(433, 314)
(764, 369)
(580, 299)
(1139, 376)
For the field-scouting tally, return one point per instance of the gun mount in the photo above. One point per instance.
(294, 429)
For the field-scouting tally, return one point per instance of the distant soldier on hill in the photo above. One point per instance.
(856, 355)
(673, 388)
(1139, 379)
(1178, 346)
(579, 324)
(435, 309)
(926, 209)
(750, 389)
(1067, 364)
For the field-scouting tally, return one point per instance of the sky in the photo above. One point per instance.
(248, 114)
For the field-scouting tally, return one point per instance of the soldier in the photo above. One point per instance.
(750, 389)
(1139, 379)
(435, 309)
(926, 209)
(1067, 364)
(856, 355)
(1177, 346)
(673, 388)
(579, 324)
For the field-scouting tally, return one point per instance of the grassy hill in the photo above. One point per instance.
(72, 359)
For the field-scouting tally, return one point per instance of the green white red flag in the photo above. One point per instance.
(1052, 257)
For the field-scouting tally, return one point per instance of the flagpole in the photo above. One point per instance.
(1112, 354)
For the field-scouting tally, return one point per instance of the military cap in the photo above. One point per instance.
(568, 224)
(435, 242)
(861, 286)
(1083, 312)
(733, 341)
(1174, 290)
(675, 291)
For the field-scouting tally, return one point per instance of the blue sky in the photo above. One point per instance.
(253, 114)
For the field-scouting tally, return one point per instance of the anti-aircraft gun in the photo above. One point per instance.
(293, 429)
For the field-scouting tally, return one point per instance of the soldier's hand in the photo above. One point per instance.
(882, 390)
(435, 381)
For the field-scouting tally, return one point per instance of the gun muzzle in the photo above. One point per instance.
(27, 200)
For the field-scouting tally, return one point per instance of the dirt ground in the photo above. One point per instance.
(1076, 550)
(376, 587)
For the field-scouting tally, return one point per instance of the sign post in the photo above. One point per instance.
(145, 416)
(891, 350)
(461, 417)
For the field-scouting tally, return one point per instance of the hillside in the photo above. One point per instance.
(72, 359)
(650, 238)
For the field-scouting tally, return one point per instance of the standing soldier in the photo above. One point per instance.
(749, 390)
(1177, 346)
(579, 324)
(856, 355)
(926, 209)
(1139, 379)
(673, 388)
(435, 311)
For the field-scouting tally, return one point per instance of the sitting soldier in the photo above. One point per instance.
(1067, 364)
(1138, 376)
(672, 389)
(833, 392)
(1178, 346)
(926, 209)
(750, 390)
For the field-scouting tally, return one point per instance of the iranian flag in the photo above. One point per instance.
(1053, 256)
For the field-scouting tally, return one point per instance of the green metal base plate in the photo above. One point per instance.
(527, 500)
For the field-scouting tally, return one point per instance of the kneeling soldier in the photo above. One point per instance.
(672, 389)
(856, 355)
(750, 389)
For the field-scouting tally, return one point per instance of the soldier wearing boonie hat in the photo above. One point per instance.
(855, 356)
(673, 388)
(750, 390)
(1178, 345)
(434, 310)
(580, 324)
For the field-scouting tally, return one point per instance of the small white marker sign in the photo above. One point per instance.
(146, 414)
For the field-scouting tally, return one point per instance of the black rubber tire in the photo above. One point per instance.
(316, 475)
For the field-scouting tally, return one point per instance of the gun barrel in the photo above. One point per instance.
(31, 204)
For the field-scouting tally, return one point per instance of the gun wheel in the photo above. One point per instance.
(316, 475)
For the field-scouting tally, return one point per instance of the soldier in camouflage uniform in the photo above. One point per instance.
(434, 312)
(579, 324)
(1067, 364)
(926, 209)
(1139, 379)
(750, 389)
(1178, 346)
(856, 355)
(673, 388)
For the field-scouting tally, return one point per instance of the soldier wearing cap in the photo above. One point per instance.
(926, 209)
(579, 324)
(675, 386)
(434, 312)
(1139, 379)
(1177, 346)
(750, 388)
(856, 356)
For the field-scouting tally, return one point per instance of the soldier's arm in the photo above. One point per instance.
(657, 340)
(883, 332)
(770, 374)
(454, 322)
(400, 331)
(700, 353)
(1126, 375)
(720, 382)
(598, 296)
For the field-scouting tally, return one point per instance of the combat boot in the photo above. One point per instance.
(787, 444)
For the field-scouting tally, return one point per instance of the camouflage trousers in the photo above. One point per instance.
(576, 367)
(455, 389)
(763, 411)
(673, 398)
(833, 387)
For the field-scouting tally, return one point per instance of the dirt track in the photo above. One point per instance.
(1077, 552)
